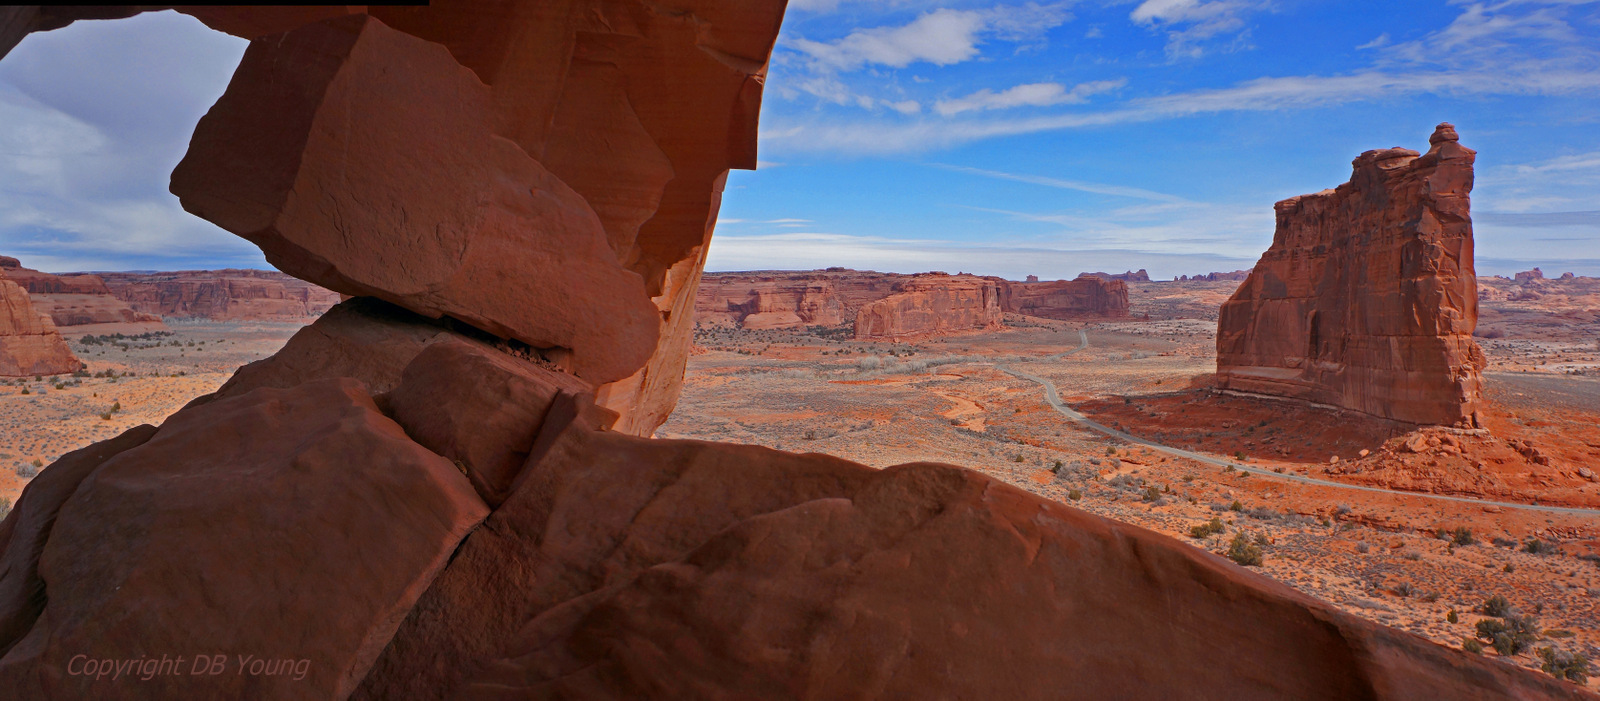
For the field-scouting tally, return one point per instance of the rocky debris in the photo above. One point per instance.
(286, 524)
(222, 295)
(1367, 298)
(1130, 276)
(1528, 450)
(933, 303)
(30, 344)
(305, 164)
(1092, 294)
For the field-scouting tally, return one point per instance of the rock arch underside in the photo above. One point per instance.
(440, 488)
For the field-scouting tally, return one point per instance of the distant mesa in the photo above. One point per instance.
(1239, 275)
(1530, 275)
(222, 295)
(30, 343)
(1367, 298)
(1130, 276)
(895, 305)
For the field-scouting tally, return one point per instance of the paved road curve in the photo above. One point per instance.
(1054, 399)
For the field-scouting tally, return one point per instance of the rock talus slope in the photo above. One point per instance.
(1367, 298)
(432, 491)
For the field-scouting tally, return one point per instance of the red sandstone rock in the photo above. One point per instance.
(477, 406)
(29, 341)
(76, 299)
(1367, 298)
(367, 339)
(223, 295)
(1239, 275)
(1089, 295)
(770, 302)
(930, 304)
(308, 163)
(24, 531)
(1130, 276)
(284, 524)
(36, 282)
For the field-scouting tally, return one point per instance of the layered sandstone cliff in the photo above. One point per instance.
(77, 299)
(1089, 295)
(757, 301)
(932, 304)
(1367, 298)
(223, 295)
(30, 344)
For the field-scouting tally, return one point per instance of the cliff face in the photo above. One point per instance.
(932, 304)
(1089, 295)
(828, 297)
(224, 295)
(769, 301)
(1367, 298)
(76, 299)
(29, 341)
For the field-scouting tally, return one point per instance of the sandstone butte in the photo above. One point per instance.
(426, 494)
(892, 305)
(1367, 298)
(222, 295)
(30, 344)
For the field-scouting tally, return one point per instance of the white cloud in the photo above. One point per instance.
(1029, 95)
(942, 37)
(1189, 23)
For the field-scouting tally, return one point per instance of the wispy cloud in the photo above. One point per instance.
(1029, 95)
(1096, 188)
(1189, 24)
(941, 37)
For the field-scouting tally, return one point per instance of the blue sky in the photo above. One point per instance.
(989, 137)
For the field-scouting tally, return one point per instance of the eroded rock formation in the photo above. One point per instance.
(221, 295)
(30, 344)
(774, 299)
(1367, 298)
(1130, 276)
(1092, 294)
(418, 497)
(77, 299)
(932, 304)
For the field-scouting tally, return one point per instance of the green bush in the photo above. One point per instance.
(1244, 552)
(1510, 635)
(1462, 536)
(1074, 495)
(1209, 528)
(1571, 666)
(1452, 617)
(1236, 506)
(1496, 606)
(1472, 646)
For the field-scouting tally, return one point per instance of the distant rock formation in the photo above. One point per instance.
(778, 299)
(1214, 277)
(77, 299)
(1530, 275)
(29, 341)
(1092, 294)
(932, 304)
(222, 295)
(1367, 298)
(1130, 276)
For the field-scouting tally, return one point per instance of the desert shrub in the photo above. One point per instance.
(1538, 547)
(105, 415)
(1018, 458)
(1496, 606)
(1451, 617)
(1209, 528)
(1243, 551)
(1362, 548)
(1571, 666)
(25, 391)
(1111, 451)
(27, 471)
(1509, 568)
(1074, 495)
(1150, 493)
(1057, 467)
(1404, 589)
(1472, 646)
(1236, 506)
(1462, 536)
(1503, 542)
(1510, 635)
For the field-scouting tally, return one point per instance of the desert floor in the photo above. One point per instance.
(1375, 554)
